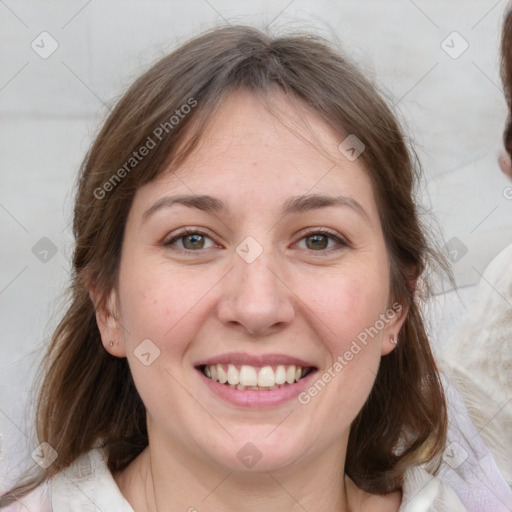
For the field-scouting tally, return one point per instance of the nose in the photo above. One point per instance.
(256, 298)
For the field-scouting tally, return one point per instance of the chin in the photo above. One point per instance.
(257, 452)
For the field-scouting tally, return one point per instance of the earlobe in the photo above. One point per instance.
(390, 338)
(109, 324)
(389, 344)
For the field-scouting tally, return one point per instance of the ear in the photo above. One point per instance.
(109, 323)
(395, 316)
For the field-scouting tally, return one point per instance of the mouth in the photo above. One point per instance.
(255, 380)
(246, 377)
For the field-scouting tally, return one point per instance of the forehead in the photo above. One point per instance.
(254, 157)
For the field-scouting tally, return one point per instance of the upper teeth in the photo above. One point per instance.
(251, 376)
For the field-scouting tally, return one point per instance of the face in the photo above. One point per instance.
(278, 276)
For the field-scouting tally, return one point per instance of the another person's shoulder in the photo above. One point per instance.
(499, 269)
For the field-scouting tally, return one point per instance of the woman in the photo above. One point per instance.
(244, 330)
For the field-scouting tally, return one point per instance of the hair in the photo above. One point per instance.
(88, 396)
(506, 75)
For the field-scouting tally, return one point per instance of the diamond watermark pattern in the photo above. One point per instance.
(454, 249)
(44, 455)
(249, 249)
(454, 45)
(44, 250)
(146, 352)
(44, 45)
(352, 147)
(454, 455)
(249, 455)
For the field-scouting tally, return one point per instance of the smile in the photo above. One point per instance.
(253, 378)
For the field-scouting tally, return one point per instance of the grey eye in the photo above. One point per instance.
(193, 240)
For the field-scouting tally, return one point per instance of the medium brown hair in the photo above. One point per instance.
(506, 75)
(88, 395)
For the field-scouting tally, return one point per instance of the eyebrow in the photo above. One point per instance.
(293, 205)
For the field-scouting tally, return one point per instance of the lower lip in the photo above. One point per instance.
(249, 398)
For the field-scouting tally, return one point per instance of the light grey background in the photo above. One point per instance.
(50, 108)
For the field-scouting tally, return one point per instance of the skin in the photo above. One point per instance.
(505, 163)
(293, 299)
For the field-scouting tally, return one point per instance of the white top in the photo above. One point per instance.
(478, 360)
(88, 486)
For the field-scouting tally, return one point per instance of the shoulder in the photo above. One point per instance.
(421, 492)
(37, 500)
(495, 285)
(425, 492)
(499, 268)
(86, 485)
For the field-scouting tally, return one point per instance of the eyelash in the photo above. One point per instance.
(342, 243)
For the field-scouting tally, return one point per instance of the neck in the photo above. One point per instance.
(173, 480)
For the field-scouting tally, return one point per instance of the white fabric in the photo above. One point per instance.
(478, 359)
(88, 486)
(85, 486)
(468, 465)
(423, 492)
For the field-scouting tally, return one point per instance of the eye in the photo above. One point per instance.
(191, 240)
(195, 240)
(319, 240)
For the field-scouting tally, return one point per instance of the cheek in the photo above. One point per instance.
(163, 306)
(348, 307)
(347, 304)
(158, 303)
